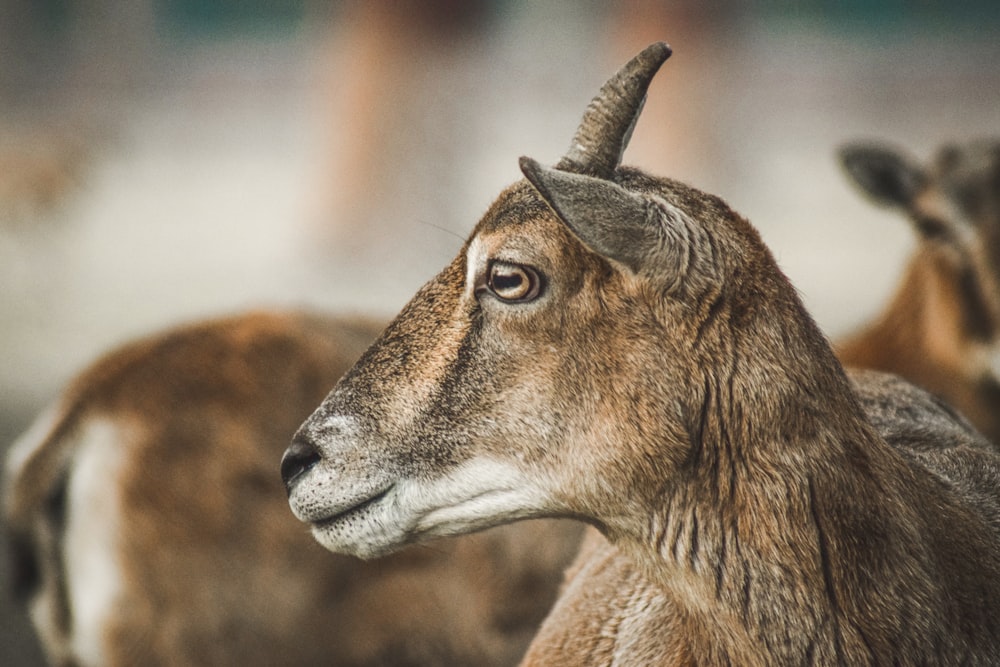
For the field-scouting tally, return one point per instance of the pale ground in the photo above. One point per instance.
(216, 189)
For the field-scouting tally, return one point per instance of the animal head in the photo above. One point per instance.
(563, 364)
(953, 203)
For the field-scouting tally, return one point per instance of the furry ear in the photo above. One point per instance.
(887, 176)
(649, 237)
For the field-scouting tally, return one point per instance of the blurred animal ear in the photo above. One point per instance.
(648, 236)
(887, 176)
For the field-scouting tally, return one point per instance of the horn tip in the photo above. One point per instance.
(651, 57)
(658, 51)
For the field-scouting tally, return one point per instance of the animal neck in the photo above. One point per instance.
(756, 542)
(942, 314)
(941, 332)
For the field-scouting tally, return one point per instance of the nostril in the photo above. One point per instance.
(297, 460)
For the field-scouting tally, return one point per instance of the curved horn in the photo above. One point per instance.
(608, 121)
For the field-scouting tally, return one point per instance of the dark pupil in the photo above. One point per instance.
(505, 282)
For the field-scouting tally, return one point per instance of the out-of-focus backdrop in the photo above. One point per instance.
(168, 160)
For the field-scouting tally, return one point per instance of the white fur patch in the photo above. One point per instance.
(90, 542)
(475, 263)
(477, 494)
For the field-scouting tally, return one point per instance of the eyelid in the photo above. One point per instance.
(536, 281)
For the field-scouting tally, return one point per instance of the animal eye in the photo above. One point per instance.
(513, 282)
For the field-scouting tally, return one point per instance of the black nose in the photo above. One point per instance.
(300, 456)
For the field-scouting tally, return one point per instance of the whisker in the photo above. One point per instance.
(450, 232)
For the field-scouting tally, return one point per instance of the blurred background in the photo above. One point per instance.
(168, 160)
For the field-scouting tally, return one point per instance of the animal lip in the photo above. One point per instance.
(354, 509)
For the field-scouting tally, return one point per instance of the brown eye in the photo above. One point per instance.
(512, 282)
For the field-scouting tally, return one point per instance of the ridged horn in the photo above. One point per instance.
(608, 122)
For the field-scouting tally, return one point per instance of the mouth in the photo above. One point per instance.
(353, 510)
(367, 529)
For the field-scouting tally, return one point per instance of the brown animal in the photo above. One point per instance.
(623, 349)
(149, 525)
(942, 328)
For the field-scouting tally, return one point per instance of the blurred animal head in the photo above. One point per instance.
(942, 329)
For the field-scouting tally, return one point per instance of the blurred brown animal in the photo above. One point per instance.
(941, 330)
(38, 170)
(623, 349)
(149, 525)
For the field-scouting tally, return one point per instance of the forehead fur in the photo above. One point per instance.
(515, 205)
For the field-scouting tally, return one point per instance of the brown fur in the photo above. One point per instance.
(610, 612)
(215, 570)
(944, 321)
(668, 387)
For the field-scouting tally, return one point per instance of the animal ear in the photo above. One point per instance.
(887, 176)
(646, 236)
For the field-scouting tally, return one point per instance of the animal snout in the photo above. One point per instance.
(298, 459)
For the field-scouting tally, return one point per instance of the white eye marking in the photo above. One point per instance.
(475, 260)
